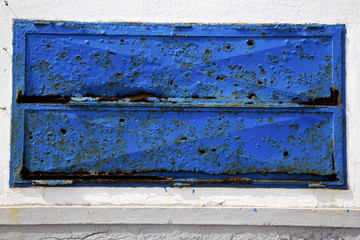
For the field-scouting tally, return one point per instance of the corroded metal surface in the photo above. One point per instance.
(167, 104)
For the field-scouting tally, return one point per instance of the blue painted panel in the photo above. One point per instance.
(212, 142)
(175, 105)
(269, 70)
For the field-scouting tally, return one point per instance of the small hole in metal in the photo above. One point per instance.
(252, 96)
(250, 42)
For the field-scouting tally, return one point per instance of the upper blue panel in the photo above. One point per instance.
(267, 64)
(274, 69)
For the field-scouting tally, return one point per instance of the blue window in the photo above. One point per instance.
(125, 104)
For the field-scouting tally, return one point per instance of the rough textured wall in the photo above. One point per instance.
(152, 232)
(210, 11)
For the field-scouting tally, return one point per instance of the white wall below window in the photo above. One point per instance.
(193, 11)
(147, 232)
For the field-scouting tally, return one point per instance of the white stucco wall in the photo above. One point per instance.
(146, 232)
(193, 11)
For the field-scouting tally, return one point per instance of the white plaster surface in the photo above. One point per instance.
(177, 215)
(194, 11)
(151, 232)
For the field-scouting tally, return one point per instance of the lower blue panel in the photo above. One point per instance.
(212, 142)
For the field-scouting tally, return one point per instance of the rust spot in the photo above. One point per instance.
(332, 100)
(328, 58)
(202, 151)
(262, 70)
(207, 56)
(250, 42)
(221, 77)
(333, 163)
(63, 131)
(252, 96)
(332, 143)
(21, 98)
(113, 178)
(118, 75)
(139, 97)
(227, 47)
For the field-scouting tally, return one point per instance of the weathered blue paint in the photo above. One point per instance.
(178, 105)
(179, 67)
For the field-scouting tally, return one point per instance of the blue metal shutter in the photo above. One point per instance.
(178, 104)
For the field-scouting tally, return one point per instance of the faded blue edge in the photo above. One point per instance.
(17, 113)
(342, 29)
(166, 29)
